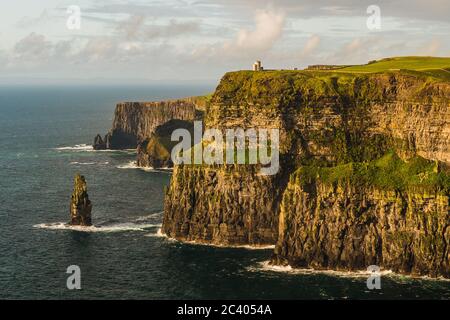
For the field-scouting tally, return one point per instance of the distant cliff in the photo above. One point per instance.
(136, 121)
(327, 120)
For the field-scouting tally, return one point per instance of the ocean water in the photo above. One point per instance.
(45, 134)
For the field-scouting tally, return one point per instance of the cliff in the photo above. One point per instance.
(388, 213)
(136, 121)
(155, 151)
(326, 119)
(223, 205)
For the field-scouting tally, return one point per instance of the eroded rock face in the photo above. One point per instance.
(155, 152)
(134, 122)
(344, 227)
(322, 122)
(80, 205)
(224, 205)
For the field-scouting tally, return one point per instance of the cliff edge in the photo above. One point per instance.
(328, 120)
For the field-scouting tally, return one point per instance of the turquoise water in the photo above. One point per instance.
(43, 136)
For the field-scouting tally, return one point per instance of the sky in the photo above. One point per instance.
(200, 40)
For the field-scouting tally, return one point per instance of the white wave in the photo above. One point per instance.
(82, 163)
(89, 148)
(148, 217)
(77, 147)
(129, 165)
(266, 266)
(118, 227)
(133, 165)
(89, 163)
(130, 151)
(158, 234)
(244, 246)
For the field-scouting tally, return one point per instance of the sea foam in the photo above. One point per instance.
(265, 266)
(77, 147)
(139, 224)
(89, 148)
(133, 165)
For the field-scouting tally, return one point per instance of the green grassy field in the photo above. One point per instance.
(437, 67)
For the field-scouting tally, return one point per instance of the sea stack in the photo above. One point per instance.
(80, 205)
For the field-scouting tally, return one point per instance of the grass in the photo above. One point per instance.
(409, 63)
(275, 87)
(388, 172)
(434, 67)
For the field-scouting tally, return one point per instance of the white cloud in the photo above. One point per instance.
(268, 29)
(27, 22)
(359, 50)
(34, 46)
(311, 45)
(137, 28)
(198, 38)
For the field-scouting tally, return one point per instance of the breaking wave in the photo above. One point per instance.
(89, 148)
(197, 243)
(77, 147)
(244, 246)
(133, 165)
(88, 163)
(265, 266)
(119, 227)
(158, 234)
(143, 223)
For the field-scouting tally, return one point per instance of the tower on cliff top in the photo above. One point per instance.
(257, 66)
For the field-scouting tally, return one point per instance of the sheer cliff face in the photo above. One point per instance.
(222, 205)
(136, 121)
(325, 119)
(344, 227)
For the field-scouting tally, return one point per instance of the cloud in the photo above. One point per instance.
(311, 45)
(268, 29)
(181, 37)
(34, 46)
(411, 9)
(27, 22)
(137, 28)
(359, 50)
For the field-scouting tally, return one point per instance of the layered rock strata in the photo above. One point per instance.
(80, 205)
(326, 120)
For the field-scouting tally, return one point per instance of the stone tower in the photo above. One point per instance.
(257, 66)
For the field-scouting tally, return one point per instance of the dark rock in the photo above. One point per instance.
(99, 144)
(102, 144)
(156, 151)
(80, 205)
(341, 226)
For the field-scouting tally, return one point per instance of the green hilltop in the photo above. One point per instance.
(435, 67)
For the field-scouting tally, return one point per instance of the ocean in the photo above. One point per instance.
(46, 132)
